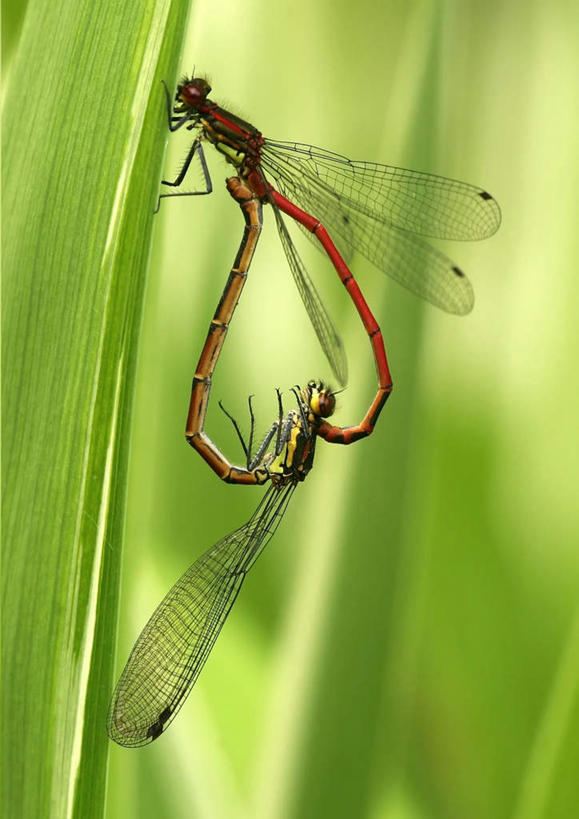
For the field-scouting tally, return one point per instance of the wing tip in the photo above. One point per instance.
(497, 216)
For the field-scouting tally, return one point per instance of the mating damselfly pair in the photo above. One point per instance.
(387, 214)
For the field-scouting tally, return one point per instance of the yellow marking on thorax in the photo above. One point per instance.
(283, 464)
(224, 144)
(292, 445)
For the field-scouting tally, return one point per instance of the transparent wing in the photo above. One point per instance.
(379, 210)
(426, 204)
(172, 648)
(326, 332)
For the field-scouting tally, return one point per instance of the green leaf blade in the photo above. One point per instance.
(82, 160)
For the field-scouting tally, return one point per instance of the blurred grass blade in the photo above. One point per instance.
(83, 141)
(552, 727)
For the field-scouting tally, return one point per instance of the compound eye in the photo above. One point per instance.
(327, 404)
(194, 92)
(322, 403)
(191, 94)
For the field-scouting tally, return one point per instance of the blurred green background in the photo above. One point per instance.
(408, 645)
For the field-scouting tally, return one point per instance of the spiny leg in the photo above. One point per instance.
(276, 427)
(301, 407)
(251, 425)
(171, 116)
(175, 122)
(278, 443)
(196, 148)
(246, 449)
(252, 461)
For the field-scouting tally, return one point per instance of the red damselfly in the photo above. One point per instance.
(382, 211)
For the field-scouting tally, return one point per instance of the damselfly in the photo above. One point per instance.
(382, 211)
(174, 645)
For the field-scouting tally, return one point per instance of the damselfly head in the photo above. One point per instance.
(320, 399)
(193, 91)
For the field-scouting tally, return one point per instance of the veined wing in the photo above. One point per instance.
(397, 251)
(426, 204)
(328, 337)
(174, 645)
